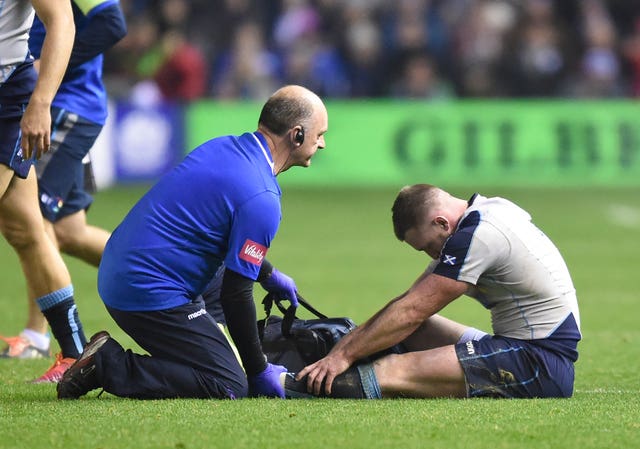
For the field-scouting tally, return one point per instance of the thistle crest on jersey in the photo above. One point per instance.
(252, 252)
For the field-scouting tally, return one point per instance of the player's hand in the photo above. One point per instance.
(282, 285)
(324, 371)
(36, 129)
(267, 383)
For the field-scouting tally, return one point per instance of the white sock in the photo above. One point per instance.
(471, 333)
(283, 376)
(40, 341)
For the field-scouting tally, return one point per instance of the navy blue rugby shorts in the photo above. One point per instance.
(14, 97)
(496, 366)
(61, 173)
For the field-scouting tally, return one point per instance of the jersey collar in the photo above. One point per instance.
(262, 142)
(472, 199)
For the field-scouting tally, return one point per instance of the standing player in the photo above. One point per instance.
(486, 248)
(25, 123)
(220, 205)
(79, 112)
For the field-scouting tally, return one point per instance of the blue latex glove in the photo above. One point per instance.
(267, 383)
(282, 285)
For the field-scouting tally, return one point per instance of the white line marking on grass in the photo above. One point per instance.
(605, 391)
(624, 215)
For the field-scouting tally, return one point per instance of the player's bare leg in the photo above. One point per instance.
(73, 236)
(77, 238)
(435, 332)
(430, 368)
(37, 326)
(23, 227)
(433, 373)
(6, 176)
(48, 280)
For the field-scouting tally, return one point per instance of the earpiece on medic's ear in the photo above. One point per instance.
(299, 136)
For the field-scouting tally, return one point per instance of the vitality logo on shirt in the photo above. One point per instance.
(252, 252)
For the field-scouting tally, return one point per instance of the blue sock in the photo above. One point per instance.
(370, 384)
(59, 308)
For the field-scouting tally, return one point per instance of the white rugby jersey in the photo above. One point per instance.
(514, 270)
(16, 17)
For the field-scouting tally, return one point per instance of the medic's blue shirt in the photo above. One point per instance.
(221, 204)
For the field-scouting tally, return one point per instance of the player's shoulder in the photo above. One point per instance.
(498, 207)
(483, 223)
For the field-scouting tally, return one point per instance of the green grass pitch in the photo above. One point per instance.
(339, 247)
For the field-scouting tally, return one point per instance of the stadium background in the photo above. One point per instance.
(534, 92)
(533, 100)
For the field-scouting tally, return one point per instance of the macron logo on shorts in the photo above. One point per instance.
(195, 315)
(470, 349)
(252, 252)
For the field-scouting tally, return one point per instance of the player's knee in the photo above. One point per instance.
(20, 237)
(388, 367)
(391, 375)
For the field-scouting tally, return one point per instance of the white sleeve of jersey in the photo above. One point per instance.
(486, 250)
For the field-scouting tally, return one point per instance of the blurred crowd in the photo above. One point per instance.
(185, 50)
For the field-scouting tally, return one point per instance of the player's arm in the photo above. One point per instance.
(395, 322)
(402, 316)
(57, 17)
(105, 25)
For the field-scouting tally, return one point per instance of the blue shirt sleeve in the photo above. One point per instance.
(103, 27)
(254, 226)
(97, 30)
